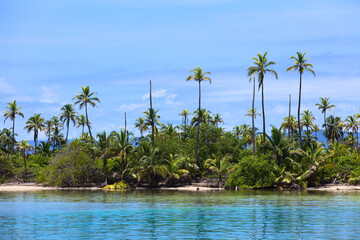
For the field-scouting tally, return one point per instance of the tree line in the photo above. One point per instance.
(165, 154)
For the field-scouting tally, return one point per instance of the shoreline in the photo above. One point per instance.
(29, 187)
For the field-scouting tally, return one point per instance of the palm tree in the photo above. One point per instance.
(236, 131)
(278, 143)
(323, 106)
(104, 149)
(205, 117)
(11, 112)
(219, 165)
(152, 119)
(48, 128)
(334, 128)
(307, 121)
(351, 123)
(185, 114)
(261, 68)
(68, 115)
(198, 76)
(83, 99)
(81, 122)
(24, 147)
(301, 65)
(57, 137)
(169, 130)
(122, 146)
(44, 149)
(174, 168)
(217, 119)
(36, 124)
(252, 113)
(140, 124)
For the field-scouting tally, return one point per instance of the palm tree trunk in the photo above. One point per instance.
(263, 110)
(13, 137)
(253, 118)
(152, 120)
(198, 129)
(24, 156)
(325, 120)
(289, 135)
(87, 122)
(299, 110)
(82, 129)
(35, 140)
(67, 131)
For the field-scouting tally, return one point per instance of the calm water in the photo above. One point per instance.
(175, 215)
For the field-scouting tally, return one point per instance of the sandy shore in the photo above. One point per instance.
(192, 188)
(335, 188)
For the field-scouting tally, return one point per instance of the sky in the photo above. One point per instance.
(49, 49)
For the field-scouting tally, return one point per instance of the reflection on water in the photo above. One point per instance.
(168, 215)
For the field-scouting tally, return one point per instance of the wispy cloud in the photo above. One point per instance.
(130, 107)
(50, 94)
(4, 86)
(157, 94)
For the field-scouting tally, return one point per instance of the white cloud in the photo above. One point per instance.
(50, 94)
(21, 98)
(4, 86)
(130, 107)
(157, 94)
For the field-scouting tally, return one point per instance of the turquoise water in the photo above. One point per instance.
(175, 215)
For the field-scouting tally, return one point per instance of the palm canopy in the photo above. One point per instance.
(140, 124)
(300, 64)
(252, 112)
(261, 68)
(198, 75)
(68, 114)
(86, 97)
(152, 118)
(12, 111)
(325, 105)
(36, 124)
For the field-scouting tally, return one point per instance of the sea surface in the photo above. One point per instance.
(160, 214)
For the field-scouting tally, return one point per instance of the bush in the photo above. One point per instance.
(253, 172)
(71, 167)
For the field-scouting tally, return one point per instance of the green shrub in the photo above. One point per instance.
(73, 166)
(253, 172)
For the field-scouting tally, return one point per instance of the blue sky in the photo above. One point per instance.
(51, 48)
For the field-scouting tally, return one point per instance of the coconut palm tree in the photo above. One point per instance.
(307, 121)
(36, 124)
(57, 137)
(278, 143)
(185, 114)
(68, 115)
(122, 146)
(24, 147)
(301, 65)
(236, 131)
(205, 117)
(325, 105)
(217, 119)
(104, 149)
(174, 169)
(140, 124)
(220, 165)
(198, 76)
(261, 68)
(334, 128)
(83, 99)
(152, 119)
(351, 123)
(169, 130)
(81, 122)
(48, 128)
(11, 112)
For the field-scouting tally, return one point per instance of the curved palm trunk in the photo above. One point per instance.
(198, 128)
(87, 122)
(263, 111)
(253, 118)
(299, 110)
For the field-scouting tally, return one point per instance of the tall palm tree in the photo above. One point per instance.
(185, 114)
(140, 124)
(253, 109)
(24, 147)
(307, 121)
(81, 122)
(36, 124)
(198, 76)
(334, 128)
(351, 123)
(261, 68)
(83, 99)
(11, 112)
(68, 115)
(325, 105)
(290, 124)
(301, 65)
